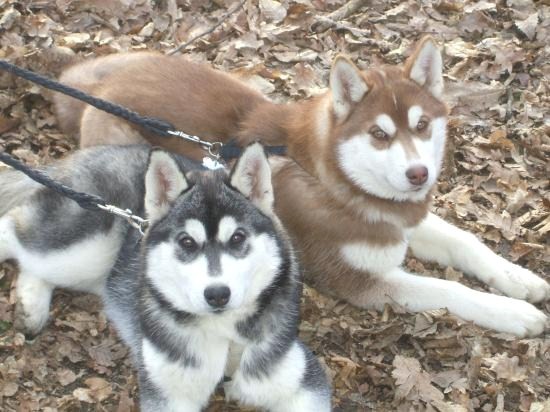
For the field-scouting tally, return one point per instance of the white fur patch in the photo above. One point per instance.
(248, 277)
(7, 237)
(414, 115)
(226, 228)
(436, 240)
(281, 390)
(386, 123)
(432, 151)
(81, 266)
(183, 284)
(196, 230)
(187, 388)
(383, 172)
(500, 313)
(372, 258)
(33, 298)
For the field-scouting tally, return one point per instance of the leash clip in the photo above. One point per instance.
(214, 149)
(135, 221)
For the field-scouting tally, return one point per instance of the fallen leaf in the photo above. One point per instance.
(299, 56)
(65, 376)
(412, 382)
(100, 389)
(506, 367)
(272, 10)
(498, 139)
(529, 26)
(10, 389)
(83, 395)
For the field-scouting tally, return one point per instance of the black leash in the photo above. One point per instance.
(151, 124)
(160, 127)
(85, 200)
(154, 125)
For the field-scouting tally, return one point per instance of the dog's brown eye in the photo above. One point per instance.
(379, 133)
(187, 243)
(422, 124)
(237, 238)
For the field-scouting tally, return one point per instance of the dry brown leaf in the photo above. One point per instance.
(147, 30)
(506, 367)
(544, 226)
(9, 17)
(272, 10)
(296, 56)
(100, 389)
(540, 406)
(125, 404)
(6, 124)
(498, 139)
(9, 389)
(83, 395)
(65, 376)
(412, 382)
(448, 407)
(76, 39)
(529, 26)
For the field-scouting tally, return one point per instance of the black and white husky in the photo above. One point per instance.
(212, 289)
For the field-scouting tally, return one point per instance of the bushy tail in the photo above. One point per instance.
(15, 188)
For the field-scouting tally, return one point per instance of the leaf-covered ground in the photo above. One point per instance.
(495, 184)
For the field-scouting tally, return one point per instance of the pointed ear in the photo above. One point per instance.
(347, 86)
(164, 181)
(425, 67)
(251, 176)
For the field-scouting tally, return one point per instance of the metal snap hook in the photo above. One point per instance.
(215, 149)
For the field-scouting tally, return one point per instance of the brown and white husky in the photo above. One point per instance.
(356, 188)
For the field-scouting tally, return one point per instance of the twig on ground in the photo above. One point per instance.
(324, 23)
(210, 30)
(336, 25)
(106, 23)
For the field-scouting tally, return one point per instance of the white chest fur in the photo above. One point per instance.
(372, 258)
(187, 388)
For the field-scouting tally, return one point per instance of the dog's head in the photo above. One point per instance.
(214, 243)
(389, 125)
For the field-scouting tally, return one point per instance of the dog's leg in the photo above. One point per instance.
(285, 386)
(436, 240)
(33, 294)
(7, 238)
(184, 386)
(99, 128)
(150, 400)
(33, 304)
(420, 293)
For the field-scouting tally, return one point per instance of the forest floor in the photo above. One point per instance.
(495, 184)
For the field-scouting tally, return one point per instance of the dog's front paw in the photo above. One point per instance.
(520, 283)
(30, 324)
(514, 316)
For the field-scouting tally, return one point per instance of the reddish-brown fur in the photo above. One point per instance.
(319, 205)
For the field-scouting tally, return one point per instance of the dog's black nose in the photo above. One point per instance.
(217, 296)
(417, 175)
